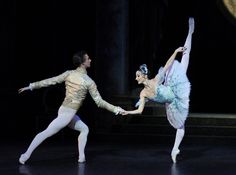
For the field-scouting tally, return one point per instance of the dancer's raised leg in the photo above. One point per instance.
(187, 45)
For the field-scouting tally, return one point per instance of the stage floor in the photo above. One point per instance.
(117, 158)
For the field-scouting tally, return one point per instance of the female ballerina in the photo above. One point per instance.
(77, 84)
(170, 86)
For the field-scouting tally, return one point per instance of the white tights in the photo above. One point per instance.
(66, 116)
(187, 45)
(78, 125)
(184, 61)
(178, 138)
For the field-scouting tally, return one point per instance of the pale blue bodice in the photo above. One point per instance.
(164, 94)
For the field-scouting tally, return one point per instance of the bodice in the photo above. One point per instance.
(164, 94)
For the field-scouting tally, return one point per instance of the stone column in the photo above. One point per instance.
(111, 46)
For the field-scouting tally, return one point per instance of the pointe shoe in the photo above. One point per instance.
(23, 158)
(191, 24)
(174, 154)
(82, 160)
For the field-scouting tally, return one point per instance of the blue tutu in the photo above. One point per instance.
(173, 89)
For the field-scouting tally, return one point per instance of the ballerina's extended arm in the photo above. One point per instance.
(140, 108)
(171, 60)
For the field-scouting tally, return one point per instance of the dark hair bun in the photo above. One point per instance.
(143, 68)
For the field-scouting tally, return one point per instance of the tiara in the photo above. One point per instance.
(143, 68)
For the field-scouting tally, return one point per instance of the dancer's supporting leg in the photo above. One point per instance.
(65, 115)
(178, 139)
(78, 125)
(184, 61)
(187, 45)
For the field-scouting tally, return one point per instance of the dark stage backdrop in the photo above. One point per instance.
(38, 39)
(158, 27)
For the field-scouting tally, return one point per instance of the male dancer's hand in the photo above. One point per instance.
(120, 110)
(23, 89)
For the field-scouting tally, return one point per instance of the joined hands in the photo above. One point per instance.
(122, 111)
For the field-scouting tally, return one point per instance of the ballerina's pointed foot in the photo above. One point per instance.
(191, 24)
(23, 158)
(82, 160)
(174, 154)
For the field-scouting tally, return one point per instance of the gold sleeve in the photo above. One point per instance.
(49, 81)
(99, 101)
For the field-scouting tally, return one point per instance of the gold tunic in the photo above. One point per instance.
(77, 84)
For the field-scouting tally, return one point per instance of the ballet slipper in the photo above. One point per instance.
(174, 154)
(81, 160)
(23, 158)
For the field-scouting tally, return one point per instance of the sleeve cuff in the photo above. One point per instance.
(118, 110)
(31, 86)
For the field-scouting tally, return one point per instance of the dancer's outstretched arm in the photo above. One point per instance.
(23, 89)
(172, 58)
(46, 82)
(100, 102)
(170, 61)
(141, 105)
